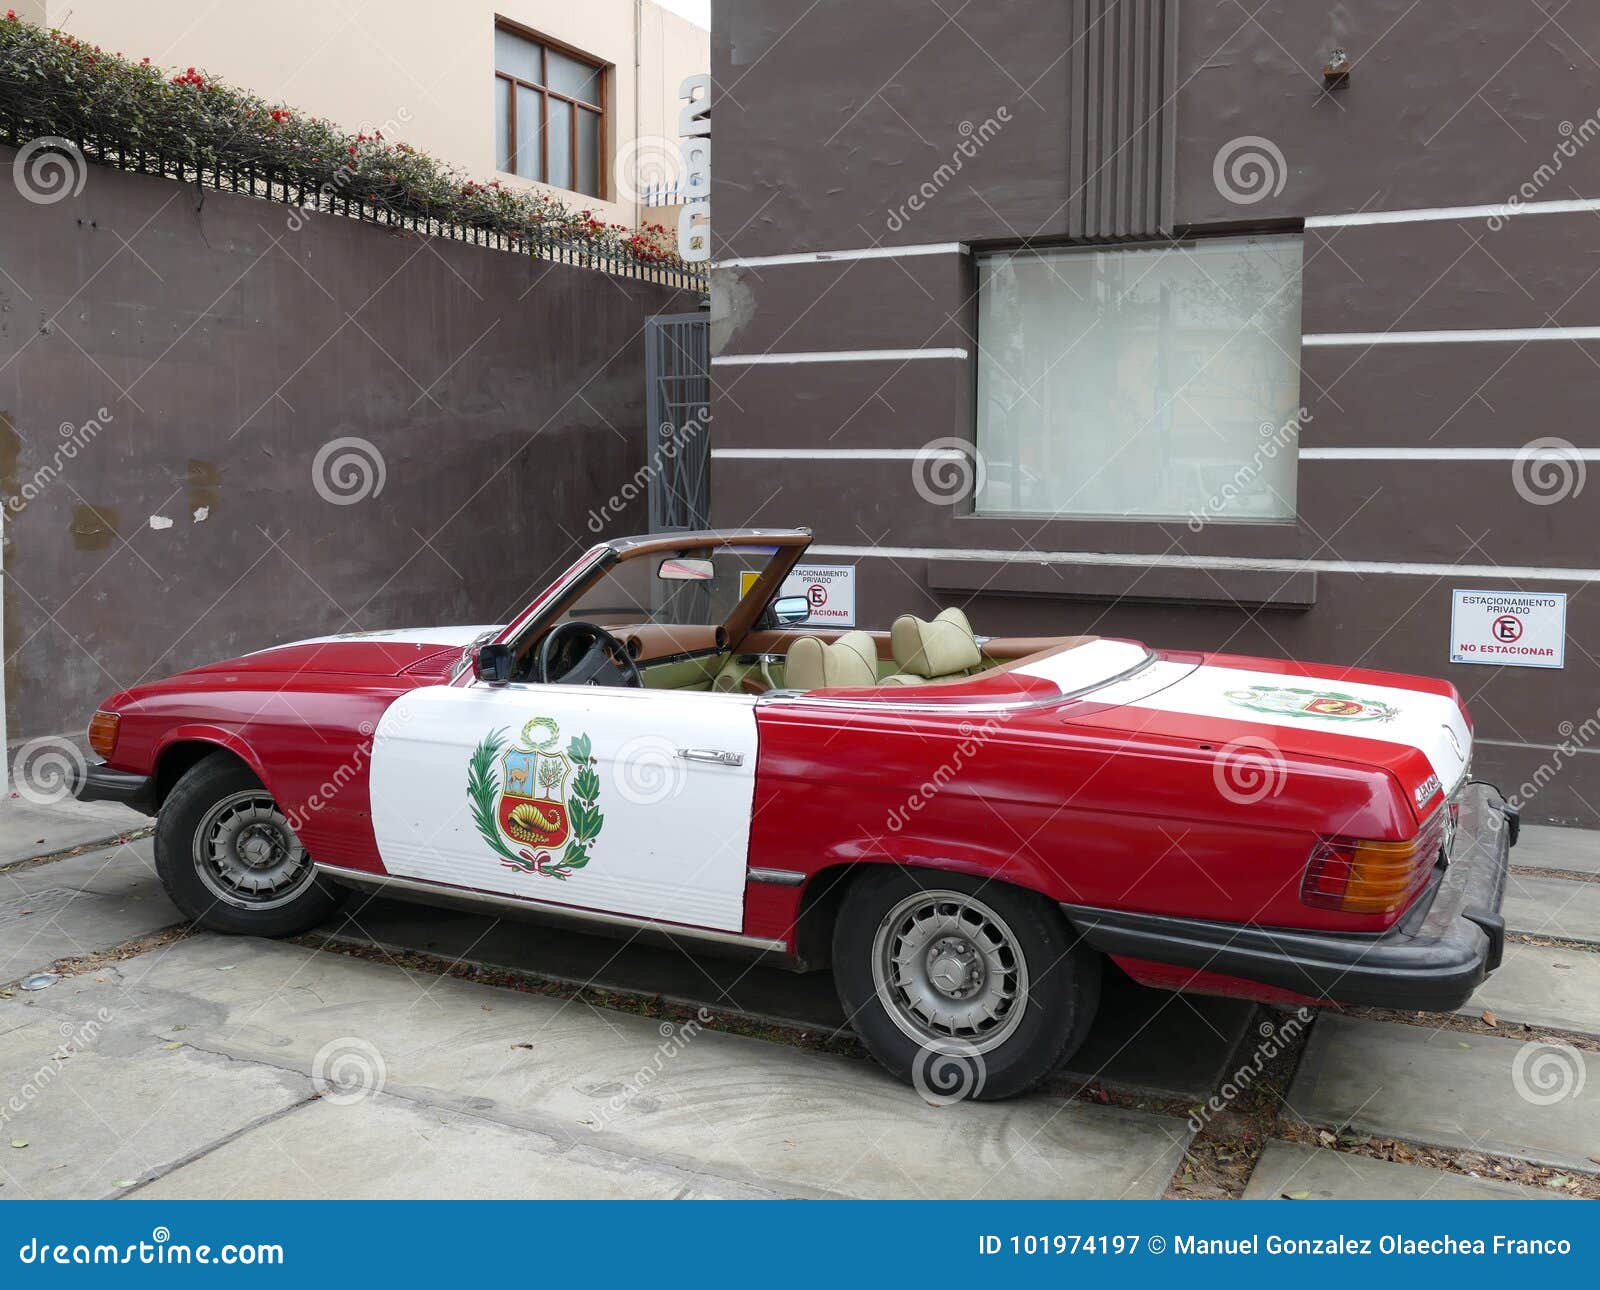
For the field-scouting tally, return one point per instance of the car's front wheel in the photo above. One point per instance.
(229, 859)
(961, 987)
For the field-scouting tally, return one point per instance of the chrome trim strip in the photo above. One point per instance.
(381, 883)
(777, 877)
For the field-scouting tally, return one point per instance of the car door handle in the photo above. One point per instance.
(717, 755)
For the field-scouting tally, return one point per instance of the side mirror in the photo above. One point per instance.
(491, 664)
(789, 610)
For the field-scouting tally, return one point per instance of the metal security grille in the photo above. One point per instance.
(677, 370)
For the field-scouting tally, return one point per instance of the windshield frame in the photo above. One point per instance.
(789, 545)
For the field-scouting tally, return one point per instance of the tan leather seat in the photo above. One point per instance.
(940, 650)
(813, 664)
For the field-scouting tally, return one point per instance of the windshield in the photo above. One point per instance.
(695, 587)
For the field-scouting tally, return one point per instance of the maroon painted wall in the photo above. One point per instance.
(505, 397)
(827, 121)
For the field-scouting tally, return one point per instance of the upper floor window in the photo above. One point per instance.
(549, 113)
(1152, 382)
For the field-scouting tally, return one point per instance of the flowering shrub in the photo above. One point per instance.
(55, 84)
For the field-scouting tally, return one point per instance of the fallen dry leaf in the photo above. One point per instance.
(1489, 1019)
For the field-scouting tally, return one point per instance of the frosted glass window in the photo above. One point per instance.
(588, 153)
(560, 143)
(548, 114)
(1154, 383)
(517, 57)
(574, 79)
(529, 160)
(502, 125)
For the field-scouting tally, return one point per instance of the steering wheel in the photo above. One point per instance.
(604, 662)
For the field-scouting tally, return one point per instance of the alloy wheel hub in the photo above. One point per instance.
(248, 856)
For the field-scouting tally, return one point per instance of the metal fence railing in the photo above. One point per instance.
(309, 194)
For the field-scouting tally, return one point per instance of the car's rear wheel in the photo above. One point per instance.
(961, 987)
(229, 858)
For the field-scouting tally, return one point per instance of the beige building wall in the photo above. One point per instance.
(422, 71)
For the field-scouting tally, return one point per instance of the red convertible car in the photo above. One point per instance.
(964, 828)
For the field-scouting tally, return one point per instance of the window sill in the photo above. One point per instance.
(1155, 584)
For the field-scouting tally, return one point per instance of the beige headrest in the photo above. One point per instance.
(944, 647)
(813, 665)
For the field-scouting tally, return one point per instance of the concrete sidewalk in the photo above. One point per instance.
(229, 1066)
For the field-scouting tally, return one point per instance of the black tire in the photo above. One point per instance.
(305, 902)
(1058, 1004)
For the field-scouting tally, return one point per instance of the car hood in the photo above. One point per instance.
(387, 653)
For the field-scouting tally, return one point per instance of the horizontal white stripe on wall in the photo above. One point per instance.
(1512, 743)
(823, 257)
(1306, 454)
(1450, 337)
(1519, 573)
(1571, 206)
(841, 454)
(837, 356)
(1448, 454)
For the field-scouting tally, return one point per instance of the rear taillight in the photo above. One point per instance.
(1359, 877)
(103, 732)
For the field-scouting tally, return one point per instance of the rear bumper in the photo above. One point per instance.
(102, 784)
(1431, 961)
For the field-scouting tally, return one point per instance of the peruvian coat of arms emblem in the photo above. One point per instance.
(1295, 701)
(536, 804)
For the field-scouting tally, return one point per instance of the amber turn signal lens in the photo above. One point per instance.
(103, 732)
(1360, 877)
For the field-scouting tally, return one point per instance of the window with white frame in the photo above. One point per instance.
(1141, 382)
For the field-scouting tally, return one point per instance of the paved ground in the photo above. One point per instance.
(226, 1066)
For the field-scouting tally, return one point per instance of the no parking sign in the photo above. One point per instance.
(1509, 628)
